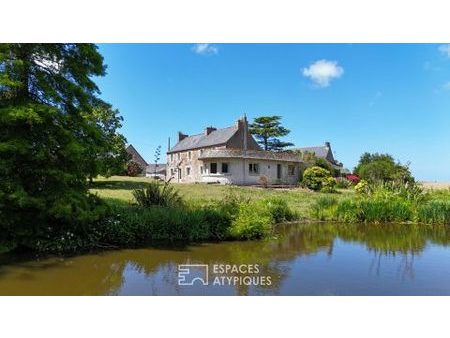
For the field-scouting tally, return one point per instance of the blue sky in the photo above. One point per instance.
(392, 98)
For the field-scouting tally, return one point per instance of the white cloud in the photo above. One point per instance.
(205, 49)
(445, 49)
(322, 72)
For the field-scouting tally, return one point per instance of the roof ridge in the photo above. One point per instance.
(216, 129)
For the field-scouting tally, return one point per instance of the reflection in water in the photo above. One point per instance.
(313, 259)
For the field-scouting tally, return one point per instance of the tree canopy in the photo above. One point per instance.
(55, 133)
(382, 168)
(268, 130)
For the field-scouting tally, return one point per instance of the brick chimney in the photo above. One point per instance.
(181, 136)
(209, 130)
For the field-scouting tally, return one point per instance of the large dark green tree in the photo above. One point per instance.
(54, 134)
(268, 130)
(108, 155)
(382, 168)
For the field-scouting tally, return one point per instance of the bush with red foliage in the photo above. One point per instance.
(353, 178)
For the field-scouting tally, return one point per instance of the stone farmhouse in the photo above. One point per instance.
(229, 156)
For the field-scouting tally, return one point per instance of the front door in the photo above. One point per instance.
(279, 171)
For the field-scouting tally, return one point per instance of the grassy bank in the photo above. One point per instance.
(120, 189)
(217, 212)
(431, 206)
(139, 213)
(384, 206)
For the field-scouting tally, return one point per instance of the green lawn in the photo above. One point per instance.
(121, 187)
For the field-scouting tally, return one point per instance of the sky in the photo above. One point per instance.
(387, 98)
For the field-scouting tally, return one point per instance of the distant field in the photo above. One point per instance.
(436, 185)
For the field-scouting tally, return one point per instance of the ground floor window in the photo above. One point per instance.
(171, 172)
(253, 168)
(224, 168)
(201, 169)
(188, 171)
(213, 168)
(291, 170)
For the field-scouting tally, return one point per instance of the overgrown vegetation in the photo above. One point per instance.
(386, 203)
(128, 225)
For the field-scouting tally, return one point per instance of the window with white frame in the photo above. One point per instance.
(188, 171)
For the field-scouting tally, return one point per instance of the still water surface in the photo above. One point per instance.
(315, 259)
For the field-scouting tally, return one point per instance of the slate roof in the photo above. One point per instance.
(320, 151)
(135, 155)
(151, 168)
(216, 137)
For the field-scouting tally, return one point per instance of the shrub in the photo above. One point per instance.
(382, 168)
(134, 169)
(315, 177)
(343, 183)
(323, 163)
(353, 178)
(328, 185)
(362, 187)
(157, 194)
(264, 181)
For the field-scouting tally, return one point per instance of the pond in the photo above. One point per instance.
(302, 259)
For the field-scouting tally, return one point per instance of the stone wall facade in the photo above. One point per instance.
(239, 160)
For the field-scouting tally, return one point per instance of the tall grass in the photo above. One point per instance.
(386, 204)
(324, 208)
(256, 219)
(434, 212)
